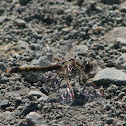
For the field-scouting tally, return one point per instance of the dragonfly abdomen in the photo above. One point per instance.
(35, 68)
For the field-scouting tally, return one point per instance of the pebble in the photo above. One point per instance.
(121, 62)
(23, 2)
(83, 35)
(111, 1)
(123, 9)
(3, 80)
(121, 41)
(35, 77)
(39, 94)
(69, 17)
(74, 33)
(2, 19)
(22, 45)
(43, 99)
(33, 118)
(2, 66)
(65, 30)
(18, 99)
(110, 75)
(99, 9)
(4, 103)
(124, 99)
(81, 49)
(121, 94)
(108, 107)
(123, 49)
(20, 22)
(110, 121)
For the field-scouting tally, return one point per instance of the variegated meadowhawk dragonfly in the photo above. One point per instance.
(66, 66)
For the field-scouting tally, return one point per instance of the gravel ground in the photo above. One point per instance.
(45, 32)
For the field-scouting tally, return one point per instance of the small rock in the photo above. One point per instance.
(112, 89)
(81, 49)
(121, 62)
(80, 2)
(20, 22)
(3, 80)
(39, 94)
(83, 35)
(123, 9)
(123, 49)
(60, 11)
(108, 107)
(34, 77)
(22, 44)
(121, 41)
(2, 19)
(110, 121)
(23, 124)
(115, 6)
(84, 29)
(99, 9)
(2, 66)
(4, 103)
(65, 30)
(91, 23)
(122, 116)
(110, 75)
(68, 18)
(18, 99)
(43, 99)
(74, 33)
(34, 118)
(44, 90)
(121, 94)
(124, 99)
(111, 1)
(23, 2)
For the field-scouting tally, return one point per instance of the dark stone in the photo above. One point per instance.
(111, 1)
(83, 35)
(108, 107)
(4, 80)
(23, 2)
(2, 66)
(69, 17)
(23, 124)
(110, 121)
(34, 77)
(74, 33)
(80, 2)
(44, 90)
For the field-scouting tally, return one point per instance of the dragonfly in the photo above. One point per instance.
(66, 66)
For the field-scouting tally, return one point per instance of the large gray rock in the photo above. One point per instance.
(121, 62)
(121, 41)
(110, 75)
(34, 119)
(39, 94)
(117, 32)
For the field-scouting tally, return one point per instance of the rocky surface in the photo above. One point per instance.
(45, 32)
